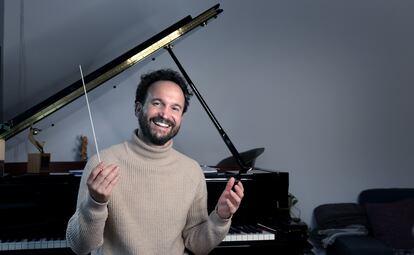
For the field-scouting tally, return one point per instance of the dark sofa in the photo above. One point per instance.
(381, 223)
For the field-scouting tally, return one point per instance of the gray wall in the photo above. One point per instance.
(325, 86)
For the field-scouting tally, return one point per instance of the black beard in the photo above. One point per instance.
(152, 137)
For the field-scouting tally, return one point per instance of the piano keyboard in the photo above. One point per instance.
(236, 233)
(249, 233)
(13, 245)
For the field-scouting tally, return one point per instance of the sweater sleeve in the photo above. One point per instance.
(203, 232)
(85, 228)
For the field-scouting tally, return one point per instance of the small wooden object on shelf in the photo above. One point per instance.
(38, 162)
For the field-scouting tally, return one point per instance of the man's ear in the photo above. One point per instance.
(138, 108)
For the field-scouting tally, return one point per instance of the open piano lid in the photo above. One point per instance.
(108, 71)
(159, 41)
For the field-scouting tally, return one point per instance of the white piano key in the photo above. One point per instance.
(37, 244)
(43, 243)
(31, 244)
(18, 245)
(6, 246)
(24, 244)
(63, 244)
(12, 246)
(56, 243)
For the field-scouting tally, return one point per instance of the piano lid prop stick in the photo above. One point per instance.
(90, 115)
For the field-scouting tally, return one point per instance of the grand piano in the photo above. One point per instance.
(35, 208)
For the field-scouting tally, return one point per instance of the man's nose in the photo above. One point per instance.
(164, 112)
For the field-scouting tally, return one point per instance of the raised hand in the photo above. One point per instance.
(230, 199)
(102, 180)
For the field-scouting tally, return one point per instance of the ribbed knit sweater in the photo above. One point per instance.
(158, 206)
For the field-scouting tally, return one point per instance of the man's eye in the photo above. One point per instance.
(156, 103)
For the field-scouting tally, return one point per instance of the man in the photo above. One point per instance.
(145, 197)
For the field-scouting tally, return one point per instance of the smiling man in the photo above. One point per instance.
(160, 117)
(145, 197)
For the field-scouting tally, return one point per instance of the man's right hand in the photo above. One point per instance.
(101, 181)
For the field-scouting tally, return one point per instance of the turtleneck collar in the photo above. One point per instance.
(151, 152)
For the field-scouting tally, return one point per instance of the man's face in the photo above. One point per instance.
(160, 116)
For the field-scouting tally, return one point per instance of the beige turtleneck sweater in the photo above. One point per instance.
(159, 206)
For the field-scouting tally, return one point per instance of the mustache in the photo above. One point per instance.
(163, 120)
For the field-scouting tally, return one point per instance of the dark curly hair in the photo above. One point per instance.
(162, 75)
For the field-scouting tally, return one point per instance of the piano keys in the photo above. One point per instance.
(34, 244)
(239, 234)
(242, 233)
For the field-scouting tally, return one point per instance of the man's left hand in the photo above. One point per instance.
(230, 199)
